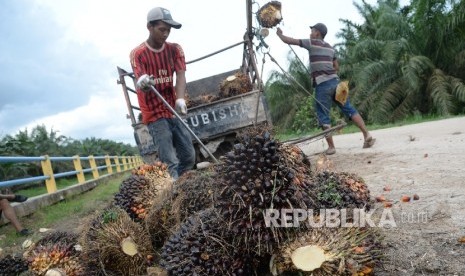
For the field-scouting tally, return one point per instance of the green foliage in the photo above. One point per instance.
(109, 216)
(40, 141)
(64, 212)
(286, 93)
(403, 60)
(305, 119)
(330, 193)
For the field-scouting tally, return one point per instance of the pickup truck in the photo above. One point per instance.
(215, 123)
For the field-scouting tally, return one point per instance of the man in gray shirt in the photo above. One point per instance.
(324, 67)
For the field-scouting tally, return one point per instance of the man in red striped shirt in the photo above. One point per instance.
(161, 59)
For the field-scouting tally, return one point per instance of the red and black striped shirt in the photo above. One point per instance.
(161, 64)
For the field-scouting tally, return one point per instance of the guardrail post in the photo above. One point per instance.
(93, 166)
(133, 162)
(125, 163)
(78, 168)
(108, 163)
(118, 167)
(48, 171)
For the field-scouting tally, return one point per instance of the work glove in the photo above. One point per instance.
(181, 106)
(144, 82)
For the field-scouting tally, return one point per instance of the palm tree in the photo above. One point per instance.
(286, 92)
(399, 63)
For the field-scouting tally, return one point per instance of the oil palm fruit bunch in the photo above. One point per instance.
(202, 99)
(200, 247)
(192, 192)
(113, 244)
(137, 193)
(157, 167)
(330, 251)
(269, 15)
(13, 265)
(237, 84)
(258, 174)
(342, 190)
(56, 251)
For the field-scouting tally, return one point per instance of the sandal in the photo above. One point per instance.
(18, 198)
(370, 141)
(23, 233)
(330, 151)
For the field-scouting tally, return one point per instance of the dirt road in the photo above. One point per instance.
(426, 159)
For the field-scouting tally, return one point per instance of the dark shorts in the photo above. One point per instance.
(324, 99)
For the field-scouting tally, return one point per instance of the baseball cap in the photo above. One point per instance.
(321, 28)
(164, 15)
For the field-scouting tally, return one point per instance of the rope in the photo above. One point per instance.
(217, 52)
(295, 81)
(292, 49)
(289, 76)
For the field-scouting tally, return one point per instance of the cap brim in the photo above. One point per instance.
(173, 23)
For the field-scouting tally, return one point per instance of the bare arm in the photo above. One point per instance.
(286, 39)
(180, 84)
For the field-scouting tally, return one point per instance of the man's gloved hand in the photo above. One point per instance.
(144, 82)
(181, 106)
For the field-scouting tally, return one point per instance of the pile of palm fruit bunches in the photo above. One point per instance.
(233, 85)
(216, 221)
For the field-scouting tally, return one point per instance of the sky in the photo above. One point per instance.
(59, 58)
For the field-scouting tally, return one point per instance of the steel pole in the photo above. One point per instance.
(182, 121)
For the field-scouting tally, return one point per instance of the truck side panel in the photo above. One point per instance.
(226, 115)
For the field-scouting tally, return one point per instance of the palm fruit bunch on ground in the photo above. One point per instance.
(57, 251)
(342, 190)
(236, 84)
(201, 246)
(12, 265)
(194, 191)
(258, 174)
(113, 244)
(270, 15)
(330, 251)
(137, 192)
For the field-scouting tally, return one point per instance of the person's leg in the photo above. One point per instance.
(161, 133)
(324, 94)
(353, 114)
(358, 120)
(182, 140)
(10, 214)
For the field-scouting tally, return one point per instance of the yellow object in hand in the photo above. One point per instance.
(342, 92)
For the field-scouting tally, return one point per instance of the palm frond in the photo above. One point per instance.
(439, 89)
(458, 89)
(417, 70)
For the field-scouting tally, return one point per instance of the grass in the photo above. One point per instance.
(73, 208)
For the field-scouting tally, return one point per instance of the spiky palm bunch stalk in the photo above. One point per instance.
(330, 251)
(113, 244)
(192, 192)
